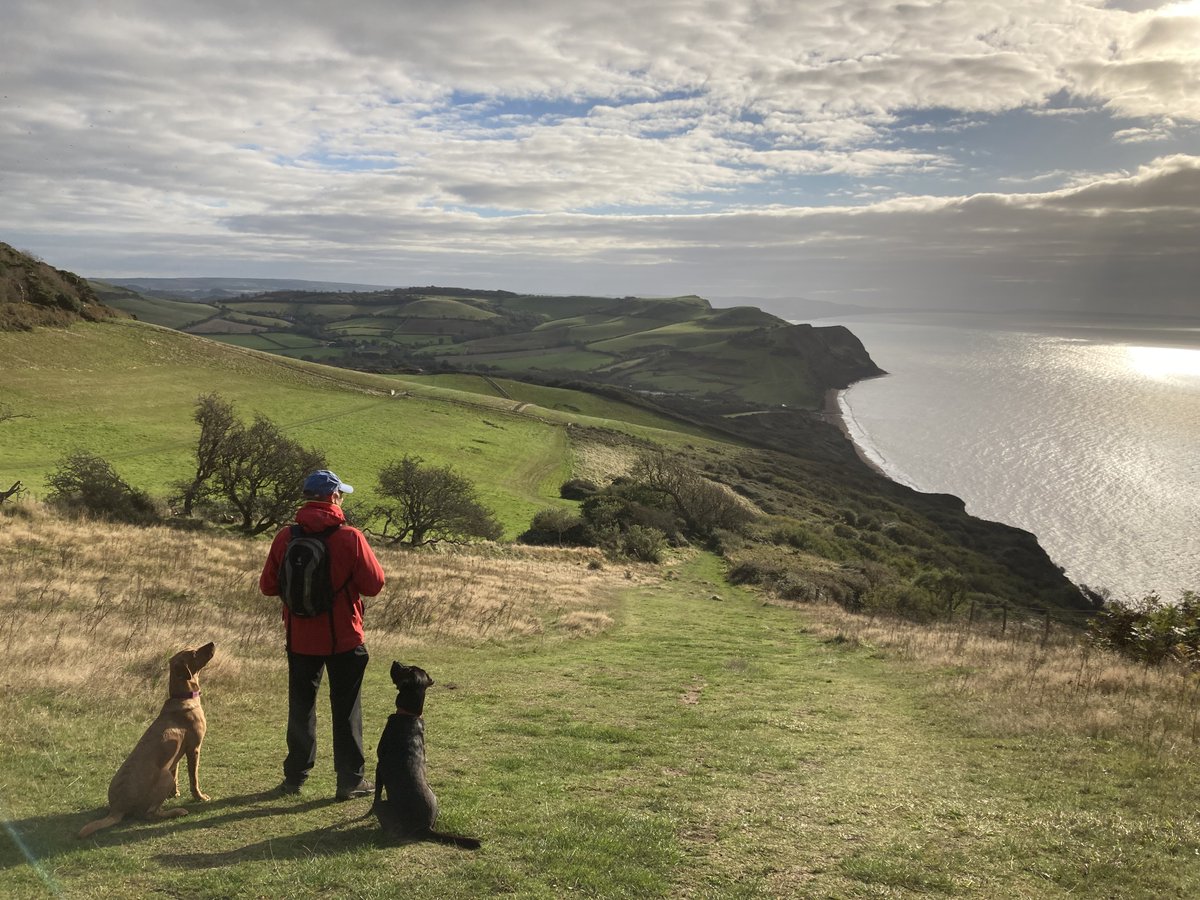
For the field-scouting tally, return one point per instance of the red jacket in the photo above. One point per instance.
(351, 562)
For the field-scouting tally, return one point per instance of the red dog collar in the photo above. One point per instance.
(190, 695)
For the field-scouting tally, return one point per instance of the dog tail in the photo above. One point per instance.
(467, 843)
(92, 827)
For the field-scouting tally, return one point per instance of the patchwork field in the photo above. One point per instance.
(680, 345)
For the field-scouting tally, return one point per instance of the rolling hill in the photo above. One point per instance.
(126, 391)
(673, 348)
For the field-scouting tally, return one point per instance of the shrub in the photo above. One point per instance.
(1151, 631)
(559, 527)
(623, 505)
(703, 505)
(577, 489)
(86, 483)
(642, 543)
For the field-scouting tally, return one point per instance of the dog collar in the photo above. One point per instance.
(404, 712)
(190, 695)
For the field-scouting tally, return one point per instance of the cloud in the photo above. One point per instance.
(601, 145)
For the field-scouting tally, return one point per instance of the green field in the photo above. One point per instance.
(445, 308)
(126, 392)
(171, 313)
(574, 403)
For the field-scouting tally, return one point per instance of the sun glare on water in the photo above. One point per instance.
(1165, 362)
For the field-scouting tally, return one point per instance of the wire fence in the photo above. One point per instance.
(1023, 623)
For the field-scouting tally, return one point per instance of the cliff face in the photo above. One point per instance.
(836, 357)
(33, 293)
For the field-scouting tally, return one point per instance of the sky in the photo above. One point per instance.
(961, 154)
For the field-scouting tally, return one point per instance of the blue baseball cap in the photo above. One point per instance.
(323, 483)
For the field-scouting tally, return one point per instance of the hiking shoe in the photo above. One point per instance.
(286, 788)
(363, 789)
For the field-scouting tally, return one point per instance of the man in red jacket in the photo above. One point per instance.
(332, 640)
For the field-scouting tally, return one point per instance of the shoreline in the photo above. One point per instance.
(831, 411)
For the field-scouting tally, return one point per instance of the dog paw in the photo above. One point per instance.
(200, 796)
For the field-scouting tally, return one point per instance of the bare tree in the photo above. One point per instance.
(427, 504)
(218, 425)
(259, 473)
(15, 491)
(703, 505)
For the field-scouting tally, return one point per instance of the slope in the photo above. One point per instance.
(125, 391)
(668, 345)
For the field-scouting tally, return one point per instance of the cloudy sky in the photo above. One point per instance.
(996, 154)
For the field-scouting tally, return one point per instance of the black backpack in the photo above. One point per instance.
(305, 583)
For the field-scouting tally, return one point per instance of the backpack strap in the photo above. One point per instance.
(296, 531)
(324, 536)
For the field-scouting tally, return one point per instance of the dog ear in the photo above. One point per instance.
(203, 655)
(399, 670)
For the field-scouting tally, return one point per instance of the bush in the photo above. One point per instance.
(577, 489)
(902, 599)
(624, 505)
(559, 527)
(85, 483)
(703, 505)
(642, 543)
(1152, 631)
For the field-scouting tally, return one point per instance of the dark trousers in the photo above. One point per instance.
(345, 702)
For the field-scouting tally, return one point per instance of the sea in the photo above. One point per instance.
(1087, 435)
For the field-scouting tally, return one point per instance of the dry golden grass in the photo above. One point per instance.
(601, 460)
(1017, 683)
(68, 587)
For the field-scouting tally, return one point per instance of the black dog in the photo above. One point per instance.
(410, 810)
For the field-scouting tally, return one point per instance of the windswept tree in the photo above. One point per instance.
(259, 474)
(218, 426)
(703, 505)
(427, 504)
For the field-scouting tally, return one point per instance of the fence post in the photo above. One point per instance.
(971, 617)
(1046, 629)
(1004, 621)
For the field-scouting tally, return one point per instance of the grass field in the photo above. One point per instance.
(126, 392)
(606, 733)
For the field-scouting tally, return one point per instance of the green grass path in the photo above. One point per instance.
(702, 747)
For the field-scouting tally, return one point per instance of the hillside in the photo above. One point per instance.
(836, 529)
(33, 293)
(672, 347)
